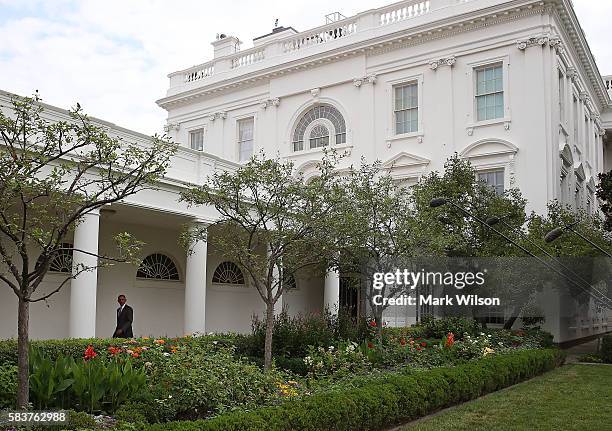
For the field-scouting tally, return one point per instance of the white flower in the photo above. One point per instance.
(166, 354)
(215, 342)
(169, 396)
(331, 348)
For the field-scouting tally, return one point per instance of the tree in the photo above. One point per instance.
(467, 241)
(52, 173)
(374, 231)
(604, 192)
(580, 266)
(271, 223)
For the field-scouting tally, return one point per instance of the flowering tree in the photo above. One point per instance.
(52, 173)
(272, 223)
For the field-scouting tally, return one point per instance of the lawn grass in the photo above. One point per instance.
(573, 397)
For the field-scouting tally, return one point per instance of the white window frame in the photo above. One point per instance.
(238, 142)
(415, 108)
(472, 107)
(195, 129)
(391, 85)
(486, 170)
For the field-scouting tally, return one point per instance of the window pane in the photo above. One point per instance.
(196, 140)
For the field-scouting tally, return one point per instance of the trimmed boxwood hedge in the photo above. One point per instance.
(606, 348)
(386, 400)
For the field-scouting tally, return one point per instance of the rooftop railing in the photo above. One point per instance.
(340, 30)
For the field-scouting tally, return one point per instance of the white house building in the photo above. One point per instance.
(510, 85)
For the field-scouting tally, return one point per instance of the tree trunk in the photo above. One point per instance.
(512, 319)
(269, 332)
(23, 376)
(379, 324)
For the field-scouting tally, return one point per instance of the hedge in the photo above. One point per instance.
(606, 348)
(383, 401)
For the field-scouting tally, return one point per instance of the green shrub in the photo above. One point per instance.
(377, 402)
(8, 386)
(293, 335)
(294, 365)
(193, 383)
(606, 348)
(439, 328)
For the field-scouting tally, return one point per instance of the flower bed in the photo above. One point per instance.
(384, 400)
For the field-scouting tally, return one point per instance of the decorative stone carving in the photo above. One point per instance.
(218, 116)
(371, 78)
(357, 82)
(507, 125)
(584, 96)
(572, 73)
(270, 102)
(555, 42)
(315, 92)
(171, 126)
(540, 40)
(445, 61)
(470, 131)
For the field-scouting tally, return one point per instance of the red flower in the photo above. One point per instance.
(370, 346)
(419, 349)
(417, 339)
(373, 323)
(424, 344)
(114, 350)
(403, 341)
(90, 353)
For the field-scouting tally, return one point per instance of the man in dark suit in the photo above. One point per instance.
(125, 317)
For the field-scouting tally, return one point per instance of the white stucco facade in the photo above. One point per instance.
(526, 60)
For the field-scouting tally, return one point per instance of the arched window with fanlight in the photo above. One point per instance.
(319, 126)
(228, 273)
(158, 266)
(62, 259)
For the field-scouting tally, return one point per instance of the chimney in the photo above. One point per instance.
(225, 45)
(276, 33)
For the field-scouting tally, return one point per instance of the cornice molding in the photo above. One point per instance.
(479, 19)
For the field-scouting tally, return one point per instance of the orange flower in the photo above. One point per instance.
(135, 355)
(450, 340)
(403, 341)
(159, 341)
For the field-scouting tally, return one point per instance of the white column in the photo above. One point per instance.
(331, 295)
(84, 287)
(195, 289)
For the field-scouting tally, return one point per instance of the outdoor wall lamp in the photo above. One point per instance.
(558, 231)
(491, 221)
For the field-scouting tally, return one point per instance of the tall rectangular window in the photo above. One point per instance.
(494, 179)
(245, 138)
(196, 139)
(490, 92)
(406, 108)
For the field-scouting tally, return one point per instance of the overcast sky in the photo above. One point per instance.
(113, 56)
